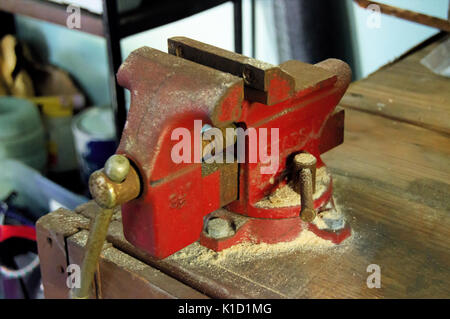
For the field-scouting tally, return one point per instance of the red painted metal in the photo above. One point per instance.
(169, 92)
(10, 231)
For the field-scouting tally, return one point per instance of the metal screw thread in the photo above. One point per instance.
(305, 165)
(307, 212)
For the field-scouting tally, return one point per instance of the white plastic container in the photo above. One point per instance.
(95, 138)
(61, 143)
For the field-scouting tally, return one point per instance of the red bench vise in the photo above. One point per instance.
(222, 204)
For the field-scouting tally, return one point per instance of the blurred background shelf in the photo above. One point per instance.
(272, 31)
(114, 25)
(145, 16)
(52, 12)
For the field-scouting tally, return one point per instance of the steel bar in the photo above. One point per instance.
(408, 15)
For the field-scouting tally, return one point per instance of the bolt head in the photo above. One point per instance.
(219, 228)
(117, 168)
(308, 215)
(304, 160)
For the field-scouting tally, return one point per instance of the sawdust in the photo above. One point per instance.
(197, 255)
(306, 240)
(110, 253)
(64, 221)
(81, 237)
(91, 209)
(123, 260)
(288, 195)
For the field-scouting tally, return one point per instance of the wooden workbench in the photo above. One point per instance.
(392, 180)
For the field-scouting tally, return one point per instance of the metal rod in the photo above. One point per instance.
(94, 246)
(307, 212)
(408, 15)
(305, 165)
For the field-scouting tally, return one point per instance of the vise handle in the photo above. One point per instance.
(110, 187)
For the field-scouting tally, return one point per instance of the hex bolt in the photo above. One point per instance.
(218, 228)
(305, 165)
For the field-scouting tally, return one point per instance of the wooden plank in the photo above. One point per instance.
(405, 90)
(122, 276)
(197, 275)
(51, 231)
(62, 236)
